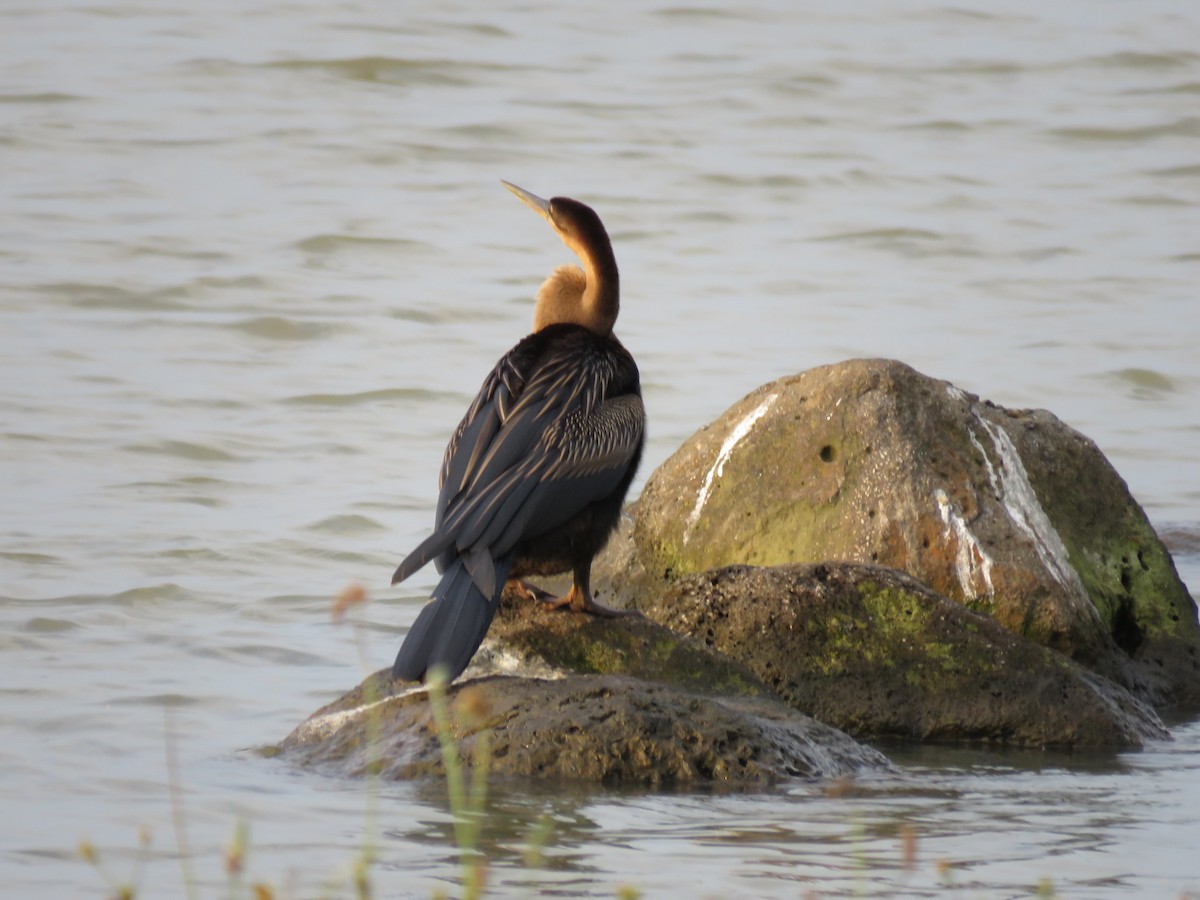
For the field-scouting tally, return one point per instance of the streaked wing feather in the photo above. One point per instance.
(536, 447)
(584, 462)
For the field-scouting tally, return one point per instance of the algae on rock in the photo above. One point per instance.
(876, 653)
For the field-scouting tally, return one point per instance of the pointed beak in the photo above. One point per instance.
(534, 202)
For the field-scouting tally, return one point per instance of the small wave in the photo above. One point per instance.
(308, 550)
(149, 595)
(46, 97)
(12, 643)
(1181, 540)
(32, 559)
(967, 15)
(418, 315)
(1182, 59)
(346, 524)
(296, 601)
(1186, 127)
(383, 70)
(47, 625)
(1154, 200)
(163, 700)
(774, 180)
(167, 592)
(804, 86)
(707, 216)
(184, 450)
(193, 554)
(942, 125)
(485, 29)
(327, 244)
(195, 481)
(208, 284)
(911, 242)
(1192, 171)
(705, 13)
(884, 234)
(206, 481)
(972, 67)
(207, 502)
(384, 395)
(1037, 254)
(1142, 383)
(1186, 87)
(278, 328)
(109, 296)
(183, 296)
(255, 654)
(485, 131)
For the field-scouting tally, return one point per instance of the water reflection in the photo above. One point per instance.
(954, 818)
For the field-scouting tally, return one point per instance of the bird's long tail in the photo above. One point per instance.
(452, 625)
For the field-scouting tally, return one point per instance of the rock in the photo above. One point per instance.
(1124, 567)
(592, 728)
(587, 699)
(875, 653)
(1010, 513)
(527, 638)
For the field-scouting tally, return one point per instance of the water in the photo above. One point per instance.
(255, 260)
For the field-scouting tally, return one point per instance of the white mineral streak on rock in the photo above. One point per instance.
(956, 393)
(970, 559)
(718, 467)
(1013, 490)
(490, 660)
(320, 727)
(495, 659)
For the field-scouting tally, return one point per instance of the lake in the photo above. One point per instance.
(256, 260)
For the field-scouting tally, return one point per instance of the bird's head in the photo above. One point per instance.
(589, 297)
(575, 223)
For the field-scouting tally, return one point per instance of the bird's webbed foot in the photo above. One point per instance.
(530, 592)
(581, 601)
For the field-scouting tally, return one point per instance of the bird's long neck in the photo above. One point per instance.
(590, 297)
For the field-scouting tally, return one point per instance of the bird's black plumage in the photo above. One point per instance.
(534, 476)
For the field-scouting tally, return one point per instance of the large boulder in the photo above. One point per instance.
(1010, 513)
(570, 696)
(876, 653)
(592, 728)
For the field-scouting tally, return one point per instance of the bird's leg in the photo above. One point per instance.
(529, 592)
(580, 599)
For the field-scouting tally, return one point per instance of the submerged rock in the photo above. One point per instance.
(875, 653)
(1010, 513)
(592, 728)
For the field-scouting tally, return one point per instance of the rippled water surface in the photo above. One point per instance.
(255, 260)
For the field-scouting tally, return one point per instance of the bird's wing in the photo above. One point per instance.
(563, 446)
(470, 441)
(478, 428)
(539, 443)
(579, 463)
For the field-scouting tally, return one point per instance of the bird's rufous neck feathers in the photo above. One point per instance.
(589, 296)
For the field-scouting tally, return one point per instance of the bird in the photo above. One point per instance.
(534, 476)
